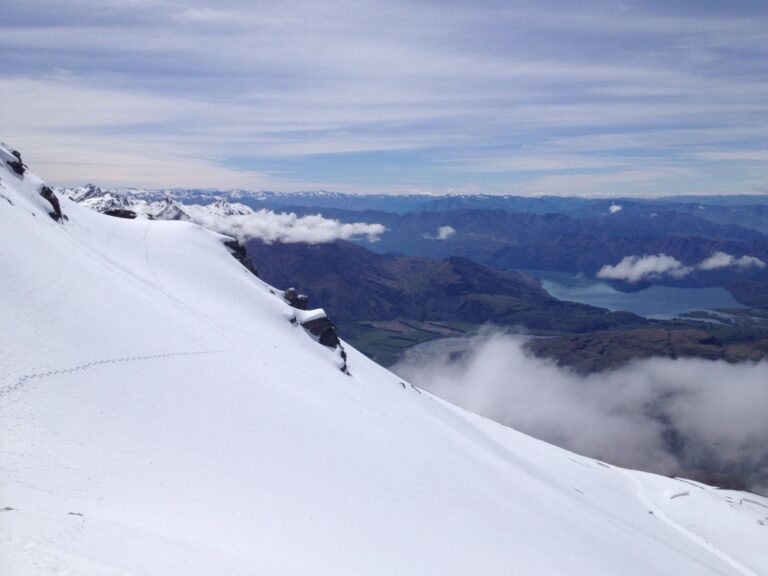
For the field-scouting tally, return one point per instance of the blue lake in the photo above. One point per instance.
(654, 302)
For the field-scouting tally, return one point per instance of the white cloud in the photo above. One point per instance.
(667, 416)
(443, 233)
(288, 228)
(723, 260)
(717, 260)
(749, 261)
(635, 268)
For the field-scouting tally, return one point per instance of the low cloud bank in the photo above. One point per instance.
(635, 268)
(723, 260)
(289, 228)
(443, 233)
(683, 417)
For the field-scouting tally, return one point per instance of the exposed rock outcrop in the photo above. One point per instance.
(121, 213)
(298, 301)
(17, 165)
(48, 194)
(241, 255)
(320, 326)
(12, 159)
(325, 330)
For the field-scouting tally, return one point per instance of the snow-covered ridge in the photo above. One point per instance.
(204, 196)
(231, 218)
(161, 414)
(150, 204)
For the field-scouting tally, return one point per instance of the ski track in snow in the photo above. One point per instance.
(157, 287)
(23, 380)
(645, 498)
(217, 328)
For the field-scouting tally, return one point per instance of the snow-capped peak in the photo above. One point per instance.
(97, 199)
(223, 208)
(166, 209)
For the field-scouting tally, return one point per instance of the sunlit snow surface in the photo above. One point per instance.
(160, 415)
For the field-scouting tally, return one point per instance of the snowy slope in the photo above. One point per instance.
(160, 414)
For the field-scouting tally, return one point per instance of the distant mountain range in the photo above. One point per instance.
(743, 210)
(587, 253)
(563, 243)
(356, 284)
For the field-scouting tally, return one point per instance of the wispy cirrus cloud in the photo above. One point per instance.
(531, 93)
(736, 156)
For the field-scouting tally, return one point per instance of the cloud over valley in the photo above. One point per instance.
(682, 417)
(270, 227)
(635, 268)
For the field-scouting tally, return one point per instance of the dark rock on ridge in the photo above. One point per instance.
(325, 331)
(48, 194)
(241, 255)
(121, 213)
(17, 165)
(298, 301)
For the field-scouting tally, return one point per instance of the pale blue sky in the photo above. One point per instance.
(546, 97)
